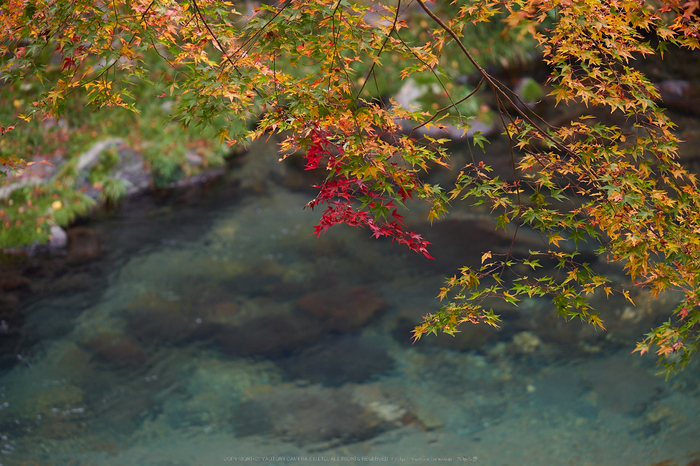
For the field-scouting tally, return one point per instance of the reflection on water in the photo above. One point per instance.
(222, 331)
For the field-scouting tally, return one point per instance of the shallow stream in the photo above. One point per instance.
(211, 328)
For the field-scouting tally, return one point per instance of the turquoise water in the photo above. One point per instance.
(211, 328)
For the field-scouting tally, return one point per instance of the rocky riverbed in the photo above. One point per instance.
(209, 325)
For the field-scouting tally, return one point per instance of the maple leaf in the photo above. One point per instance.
(555, 239)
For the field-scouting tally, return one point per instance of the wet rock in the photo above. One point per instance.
(411, 95)
(342, 309)
(59, 396)
(539, 318)
(338, 361)
(216, 389)
(84, 245)
(424, 419)
(116, 349)
(58, 239)
(238, 326)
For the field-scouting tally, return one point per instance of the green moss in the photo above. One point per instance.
(27, 215)
(150, 130)
(530, 91)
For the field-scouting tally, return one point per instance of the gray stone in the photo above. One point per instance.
(408, 97)
(59, 238)
(92, 155)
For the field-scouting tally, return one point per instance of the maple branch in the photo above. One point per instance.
(258, 32)
(114, 63)
(515, 178)
(335, 43)
(221, 47)
(381, 49)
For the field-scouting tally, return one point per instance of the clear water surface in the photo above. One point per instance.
(217, 330)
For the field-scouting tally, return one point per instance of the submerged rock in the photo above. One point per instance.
(252, 284)
(271, 336)
(168, 325)
(338, 361)
(307, 416)
(59, 410)
(525, 343)
(155, 318)
(116, 349)
(342, 309)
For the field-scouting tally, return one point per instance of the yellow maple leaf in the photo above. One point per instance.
(555, 239)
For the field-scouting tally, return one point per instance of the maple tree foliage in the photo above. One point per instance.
(299, 69)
